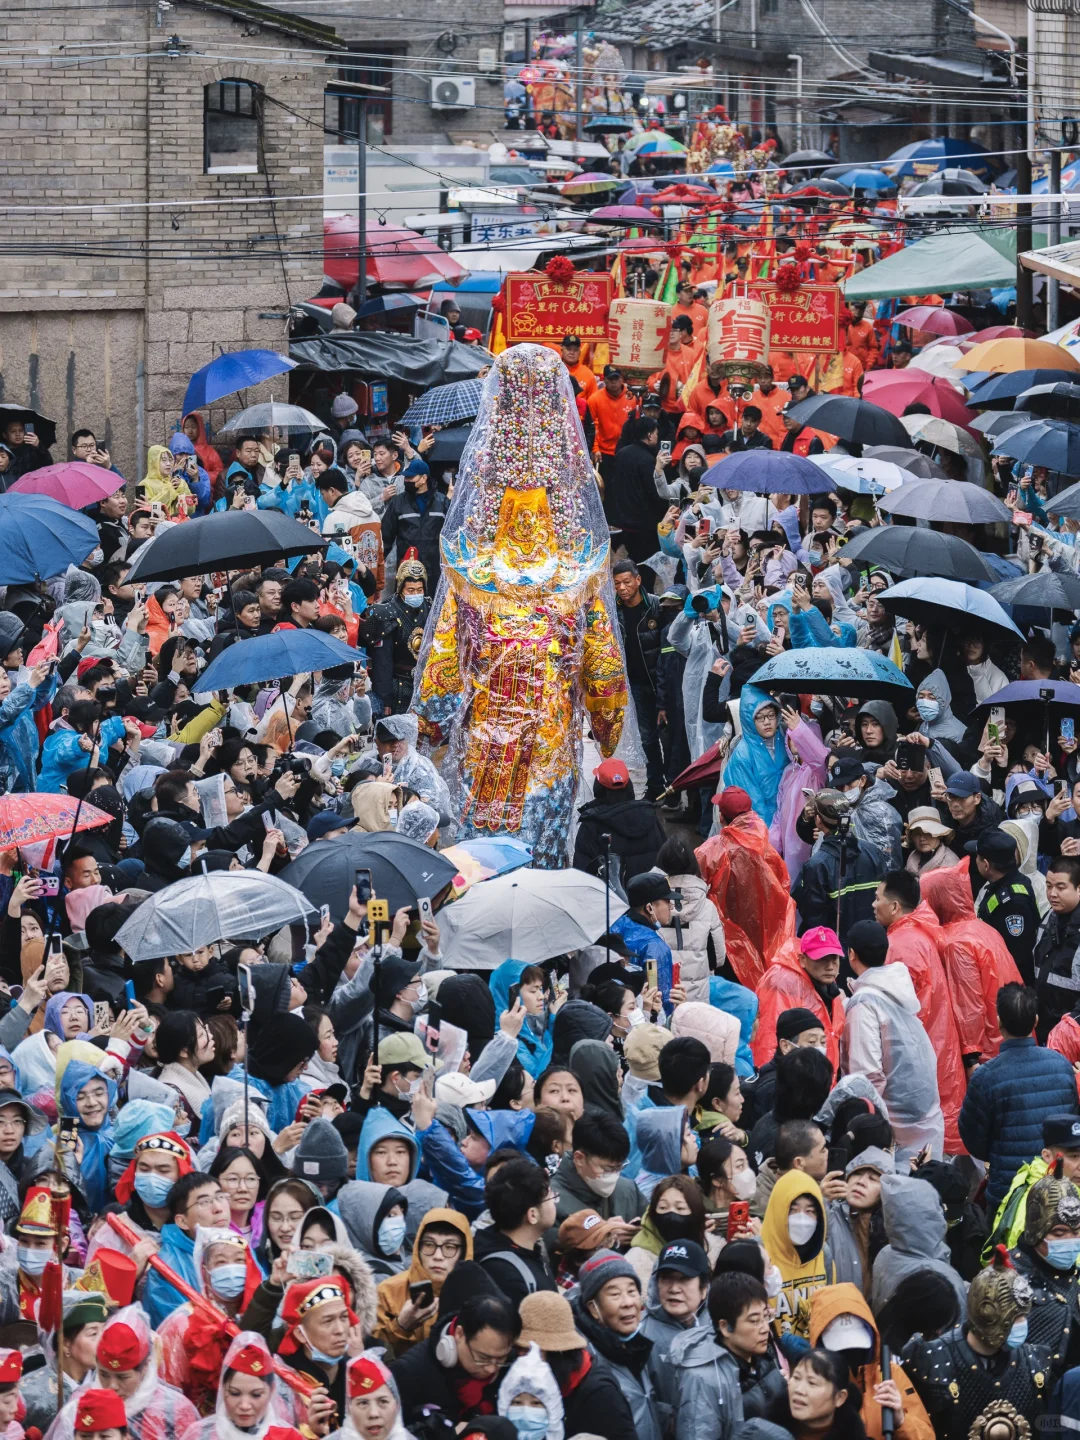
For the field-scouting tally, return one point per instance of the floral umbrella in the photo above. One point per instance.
(30, 819)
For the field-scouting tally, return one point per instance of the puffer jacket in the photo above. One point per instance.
(708, 1400)
(62, 754)
(701, 924)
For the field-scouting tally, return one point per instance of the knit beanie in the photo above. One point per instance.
(321, 1154)
(642, 1051)
(605, 1265)
(790, 1024)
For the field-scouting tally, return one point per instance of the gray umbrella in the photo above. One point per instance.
(1000, 422)
(223, 905)
(908, 459)
(955, 500)
(272, 415)
(1043, 590)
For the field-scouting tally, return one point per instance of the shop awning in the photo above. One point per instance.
(961, 259)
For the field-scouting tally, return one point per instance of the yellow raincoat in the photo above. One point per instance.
(791, 1307)
(158, 487)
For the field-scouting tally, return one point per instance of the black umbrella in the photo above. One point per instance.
(1066, 503)
(449, 444)
(799, 158)
(1057, 401)
(956, 500)
(44, 429)
(1044, 590)
(232, 540)
(402, 870)
(857, 421)
(815, 186)
(906, 551)
(951, 182)
(919, 464)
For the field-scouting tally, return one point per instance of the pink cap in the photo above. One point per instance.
(819, 942)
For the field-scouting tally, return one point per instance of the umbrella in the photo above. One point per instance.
(1003, 332)
(608, 125)
(625, 215)
(936, 359)
(497, 856)
(1029, 692)
(223, 905)
(706, 767)
(948, 605)
(273, 415)
(512, 90)
(950, 182)
(387, 304)
(591, 183)
(799, 159)
(30, 819)
(825, 670)
(449, 445)
(934, 319)
(1005, 356)
(73, 483)
(864, 477)
(829, 189)
(895, 390)
(1066, 503)
(766, 472)
(443, 404)
(654, 142)
(1043, 590)
(1050, 443)
(1000, 390)
(722, 167)
(908, 551)
(943, 434)
(273, 656)
(862, 178)
(857, 421)
(44, 429)
(229, 373)
(234, 540)
(402, 870)
(1057, 401)
(1000, 422)
(955, 500)
(41, 538)
(916, 157)
(914, 461)
(529, 914)
(397, 258)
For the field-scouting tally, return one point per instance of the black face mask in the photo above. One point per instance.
(675, 1227)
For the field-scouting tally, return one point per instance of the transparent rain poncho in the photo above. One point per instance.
(523, 638)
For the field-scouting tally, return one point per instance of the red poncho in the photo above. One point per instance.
(786, 986)
(749, 884)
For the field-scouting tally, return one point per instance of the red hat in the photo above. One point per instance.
(146, 730)
(733, 802)
(253, 1360)
(820, 942)
(301, 1299)
(166, 1142)
(365, 1375)
(89, 664)
(99, 1410)
(10, 1367)
(612, 774)
(110, 1273)
(120, 1348)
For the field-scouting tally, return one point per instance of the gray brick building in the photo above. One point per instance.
(186, 132)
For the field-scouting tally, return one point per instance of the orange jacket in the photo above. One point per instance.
(1064, 1038)
(976, 959)
(786, 986)
(749, 884)
(158, 628)
(699, 317)
(610, 413)
(842, 375)
(916, 940)
(703, 397)
(677, 367)
(584, 377)
(862, 341)
(689, 420)
(770, 406)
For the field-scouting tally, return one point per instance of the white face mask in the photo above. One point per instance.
(603, 1185)
(636, 1017)
(801, 1227)
(744, 1184)
(853, 791)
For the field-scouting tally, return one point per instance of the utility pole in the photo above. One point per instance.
(798, 100)
(579, 70)
(1053, 287)
(360, 95)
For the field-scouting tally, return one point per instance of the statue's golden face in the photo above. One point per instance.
(525, 524)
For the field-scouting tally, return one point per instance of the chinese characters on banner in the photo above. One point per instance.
(540, 309)
(639, 331)
(806, 319)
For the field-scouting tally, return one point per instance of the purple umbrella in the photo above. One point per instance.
(1028, 692)
(626, 214)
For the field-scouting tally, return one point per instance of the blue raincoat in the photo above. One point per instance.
(753, 766)
(381, 1125)
(96, 1143)
(56, 1004)
(737, 1000)
(533, 1050)
(448, 1166)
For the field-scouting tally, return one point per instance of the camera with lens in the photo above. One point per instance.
(298, 765)
(700, 604)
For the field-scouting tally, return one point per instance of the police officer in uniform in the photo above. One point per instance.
(392, 634)
(1007, 902)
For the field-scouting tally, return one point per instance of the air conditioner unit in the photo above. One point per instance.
(453, 92)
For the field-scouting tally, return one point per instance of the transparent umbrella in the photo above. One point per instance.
(529, 914)
(223, 905)
(272, 415)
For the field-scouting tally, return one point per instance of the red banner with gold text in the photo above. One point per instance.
(803, 319)
(545, 310)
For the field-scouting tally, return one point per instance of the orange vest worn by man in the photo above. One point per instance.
(610, 413)
(570, 350)
(771, 403)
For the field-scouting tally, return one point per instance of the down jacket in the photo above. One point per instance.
(700, 923)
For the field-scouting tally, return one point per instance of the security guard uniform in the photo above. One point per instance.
(1009, 907)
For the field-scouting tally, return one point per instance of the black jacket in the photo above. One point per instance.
(818, 887)
(1058, 943)
(422, 1380)
(988, 815)
(192, 989)
(642, 635)
(636, 835)
(634, 502)
(489, 1248)
(596, 1406)
(409, 526)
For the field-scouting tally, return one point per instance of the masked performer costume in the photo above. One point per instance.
(521, 639)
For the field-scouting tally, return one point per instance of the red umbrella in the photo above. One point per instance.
(895, 390)
(397, 259)
(73, 483)
(935, 320)
(29, 819)
(705, 768)
(1003, 332)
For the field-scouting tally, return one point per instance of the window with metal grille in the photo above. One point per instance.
(232, 127)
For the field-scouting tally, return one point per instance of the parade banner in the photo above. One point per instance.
(541, 309)
(806, 319)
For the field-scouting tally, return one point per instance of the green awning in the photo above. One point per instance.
(967, 259)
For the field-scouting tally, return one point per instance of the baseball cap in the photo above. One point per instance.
(685, 1257)
(963, 783)
(326, 821)
(404, 1049)
(643, 889)
(570, 340)
(819, 942)
(848, 1332)
(1061, 1132)
(995, 845)
(458, 1089)
(846, 771)
(585, 1230)
(733, 802)
(612, 774)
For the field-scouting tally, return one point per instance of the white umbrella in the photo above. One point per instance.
(527, 915)
(942, 434)
(273, 415)
(866, 477)
(941, 360)
(222, 905)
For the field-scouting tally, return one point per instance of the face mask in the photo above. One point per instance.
(318, 1355)
(415, 601)
(817, 707)
(636, 1017)
(744, 1184)
(801, 1228)
(228, 1281)
(853, 791)
(773, 1282)
(32, 1262)
(603, 1185)
(1018, 1334)
(675, 1227)
(1062, 1254)
(421, 1001)
(392, 815)
(153, 1190)
(184, 863)
(95, 558)
(391, 1234)
(815, 557)
(338, 768)
(181, 1128)
(928, 709)
(528, 1420)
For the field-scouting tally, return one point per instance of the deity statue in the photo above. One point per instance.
(522, 637)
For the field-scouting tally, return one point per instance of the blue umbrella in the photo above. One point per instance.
(822, 670)
(767, 472)
(444, 404)
(1028, 692)
(229, 373)
(866, 179)
(501, 855)
(1051, 443)
(947, 605)
(272, 657)
(41, 538)
(1044, 590)
(998, 391)
(722, 167)
(1066, 503)
(942, 153)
